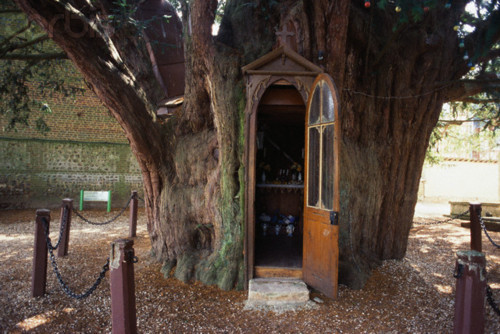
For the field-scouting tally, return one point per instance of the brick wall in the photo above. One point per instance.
(79, 118)
(85, 149)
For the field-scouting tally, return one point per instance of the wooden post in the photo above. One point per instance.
(122, 287)
(39, 271)
(470, 292)
(475, 227)
(67, 207)
(133, 215)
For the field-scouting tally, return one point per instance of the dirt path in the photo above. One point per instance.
(414, 295)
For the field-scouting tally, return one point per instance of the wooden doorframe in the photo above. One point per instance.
(257, 85)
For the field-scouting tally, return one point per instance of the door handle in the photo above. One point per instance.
(334, 218)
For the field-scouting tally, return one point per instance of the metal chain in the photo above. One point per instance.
(106, 222)
(64, 286)
(483, 226)
(61, 230)
(444, 221)
(459, 271)
(491, 301)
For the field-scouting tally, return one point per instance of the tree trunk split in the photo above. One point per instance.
(192, 164)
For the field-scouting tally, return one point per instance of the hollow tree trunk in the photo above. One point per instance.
(192, 164)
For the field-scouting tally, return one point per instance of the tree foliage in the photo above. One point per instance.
(465, 131)
(484, 63)
(26, 52)
(477, 27)
(34, 69)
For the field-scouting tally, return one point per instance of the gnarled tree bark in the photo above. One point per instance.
(393, 83)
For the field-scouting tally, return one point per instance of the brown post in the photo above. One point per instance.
(470, 292)
(133, 215)
(65, 215)
(122, 287)
(39, 273)
(475, 227)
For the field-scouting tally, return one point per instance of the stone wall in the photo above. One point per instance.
(39, 173)
(85, 149)
(460, 180)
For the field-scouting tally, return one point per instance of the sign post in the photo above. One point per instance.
(95, 196)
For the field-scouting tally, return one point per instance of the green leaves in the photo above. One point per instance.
(31, 72)
(465, 127)
(41, 126)
(408, 10)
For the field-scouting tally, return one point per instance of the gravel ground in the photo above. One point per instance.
(414, 295)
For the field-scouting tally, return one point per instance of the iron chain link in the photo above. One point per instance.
(483, 226)
(62, 228)
(63, 284)
(108, 221)
(491, 301)
(445, 220)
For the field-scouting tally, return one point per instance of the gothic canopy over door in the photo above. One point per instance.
(281, 65)
(321, 200)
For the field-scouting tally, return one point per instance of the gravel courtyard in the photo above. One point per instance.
(414, 295)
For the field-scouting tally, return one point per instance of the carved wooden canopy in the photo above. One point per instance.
(280, 65)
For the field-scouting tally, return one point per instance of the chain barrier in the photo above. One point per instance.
(79, 215)
(141, 199)
(491, 301)
(63, 284)
(61, 230)
(483, 226)
(459, 271)
(489, 293)
(460, 215)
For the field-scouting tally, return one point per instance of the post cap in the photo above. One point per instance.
(43, 212)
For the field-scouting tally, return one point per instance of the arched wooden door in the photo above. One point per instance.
(321, 197)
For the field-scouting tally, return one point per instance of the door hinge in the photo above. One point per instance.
(334, 218)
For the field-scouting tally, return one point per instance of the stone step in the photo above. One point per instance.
(277, 292)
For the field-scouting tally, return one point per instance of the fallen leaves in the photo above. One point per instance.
(413, 295)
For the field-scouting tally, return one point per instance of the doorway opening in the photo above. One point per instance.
(279, 182)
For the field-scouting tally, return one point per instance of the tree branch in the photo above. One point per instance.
(27, 44)
(96, 55)
(465, 89)
(491, 55)
(10, 11)
(461, 121)
(486, 35)
(478, 101)
(20, 31)
(203, 16)
(35, 57)
(30, 43)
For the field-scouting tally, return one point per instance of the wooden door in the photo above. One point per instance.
(321, 196)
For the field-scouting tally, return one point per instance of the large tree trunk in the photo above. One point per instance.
(192, 164)
(391, 102)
